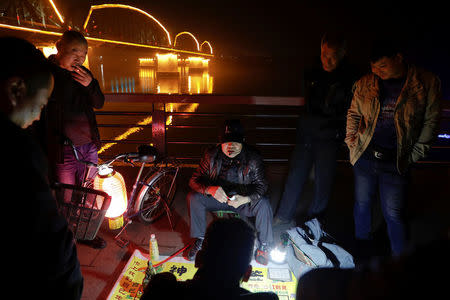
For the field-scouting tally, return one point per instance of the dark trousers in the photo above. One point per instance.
(199, 204)
(72, 171)
(374, 177)
(308, 153)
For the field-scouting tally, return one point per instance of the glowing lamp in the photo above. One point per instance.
(112, 183)
(278, 255)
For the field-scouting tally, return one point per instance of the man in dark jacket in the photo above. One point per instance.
(39, 246)
(70, 115)
(321, 130)
(231, 177)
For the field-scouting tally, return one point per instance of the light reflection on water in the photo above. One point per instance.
(148, 80)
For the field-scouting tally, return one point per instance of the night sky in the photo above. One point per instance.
(285, 29)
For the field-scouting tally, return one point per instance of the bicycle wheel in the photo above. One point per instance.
(154, 193)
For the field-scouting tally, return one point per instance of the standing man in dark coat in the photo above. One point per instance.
(70, 114)
(321, 130)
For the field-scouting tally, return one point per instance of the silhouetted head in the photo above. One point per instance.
(333, 48)
(25, 81)
(227, 250)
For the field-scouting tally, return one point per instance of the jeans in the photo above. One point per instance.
(372, 177)
(322, 154)
(72, 171)
(199, 204)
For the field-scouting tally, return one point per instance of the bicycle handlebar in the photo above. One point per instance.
(145, 153)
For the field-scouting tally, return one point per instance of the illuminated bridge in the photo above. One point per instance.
(130, 50)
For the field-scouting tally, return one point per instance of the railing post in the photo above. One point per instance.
(159, 128)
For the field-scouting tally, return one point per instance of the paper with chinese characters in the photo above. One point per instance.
(129, 283)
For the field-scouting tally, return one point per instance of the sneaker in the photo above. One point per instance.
(197, 245)
(262, 254)
(96, 243)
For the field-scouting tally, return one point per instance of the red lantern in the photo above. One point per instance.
(112, 183)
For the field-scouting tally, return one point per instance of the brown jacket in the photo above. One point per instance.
(416, 116)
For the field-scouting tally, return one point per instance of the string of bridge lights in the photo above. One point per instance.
(170, 46)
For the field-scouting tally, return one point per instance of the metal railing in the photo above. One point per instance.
(183, 126)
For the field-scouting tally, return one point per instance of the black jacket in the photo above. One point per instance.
(68, 95)
(327, 96)
(38, 241)
(251, 174)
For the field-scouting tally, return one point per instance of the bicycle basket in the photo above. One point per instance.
(83, 208)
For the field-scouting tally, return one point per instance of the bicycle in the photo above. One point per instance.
(149, 198)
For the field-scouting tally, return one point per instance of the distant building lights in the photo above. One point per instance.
(146, 62)
(49, 51)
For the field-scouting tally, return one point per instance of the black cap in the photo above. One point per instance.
(232, 131)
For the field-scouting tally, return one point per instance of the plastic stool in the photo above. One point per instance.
(224, 213)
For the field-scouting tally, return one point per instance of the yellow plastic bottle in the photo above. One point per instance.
(153, 248)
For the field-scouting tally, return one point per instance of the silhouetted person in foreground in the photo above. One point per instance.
(419, 274)
(40, 248)
(223, 263)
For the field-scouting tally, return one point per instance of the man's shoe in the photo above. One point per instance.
(262, 254)
(96, 243)
(196, 246)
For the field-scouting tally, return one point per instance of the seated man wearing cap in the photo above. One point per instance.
(231, 177)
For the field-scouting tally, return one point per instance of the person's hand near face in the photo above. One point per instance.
(70, 57)
(80, 75)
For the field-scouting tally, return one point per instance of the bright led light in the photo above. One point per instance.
(49, 51)
(278, 255)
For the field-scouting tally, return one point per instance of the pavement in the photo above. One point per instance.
(101, 268)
